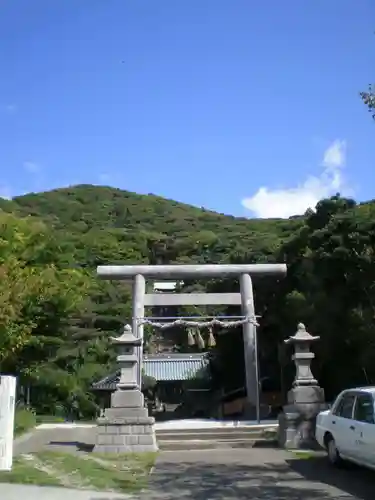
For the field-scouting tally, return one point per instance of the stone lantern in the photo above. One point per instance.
(305, 399)
(126, 426)
(127, 360)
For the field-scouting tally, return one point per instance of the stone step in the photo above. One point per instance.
(206, 444)
(217, 430)
(208, 435)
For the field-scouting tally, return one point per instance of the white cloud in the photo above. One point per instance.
(296, 200)
(335, 155)
(31, 167)
(11, 109)
(104, 178)
(5, 193)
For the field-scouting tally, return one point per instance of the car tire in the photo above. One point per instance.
(332, 452)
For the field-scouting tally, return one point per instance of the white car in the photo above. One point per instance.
(347, 429)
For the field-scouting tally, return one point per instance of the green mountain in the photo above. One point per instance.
(81, 227)
(56, 316)
(106, 219)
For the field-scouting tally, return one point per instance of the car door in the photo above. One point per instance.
(342, 424)
(364, 432)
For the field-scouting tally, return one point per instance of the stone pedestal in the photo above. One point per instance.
(305, 399)
(126, 426)
(297, 421)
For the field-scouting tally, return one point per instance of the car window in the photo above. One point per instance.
(337, 405)
(345, 407)
(364, 409)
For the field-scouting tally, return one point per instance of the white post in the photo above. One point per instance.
(7, 407)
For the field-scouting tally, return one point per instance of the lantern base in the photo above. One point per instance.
(126, 426)
(298, 419)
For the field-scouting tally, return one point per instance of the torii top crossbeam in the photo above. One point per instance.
(189, 271)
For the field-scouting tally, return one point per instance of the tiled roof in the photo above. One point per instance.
(173, 367)
(107, 383)
(162, 367)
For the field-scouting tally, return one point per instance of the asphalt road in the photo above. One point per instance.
(256, 474)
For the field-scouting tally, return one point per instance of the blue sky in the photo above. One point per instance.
(247, 107)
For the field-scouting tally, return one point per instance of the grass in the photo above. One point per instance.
(23, 473)
(119, 473)
(48, 419)
(25, 420)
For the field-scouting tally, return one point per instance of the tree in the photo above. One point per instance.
(330, 287)
(368, 99)
(35, 295)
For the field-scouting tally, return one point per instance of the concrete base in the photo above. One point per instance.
(298, 419)
(126, 426)
(288, 436)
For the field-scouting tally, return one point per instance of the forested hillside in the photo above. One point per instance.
(56, 317)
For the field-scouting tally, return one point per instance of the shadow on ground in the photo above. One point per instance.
(87, 448)
(69, 439)
(291, 479)
(352, 480)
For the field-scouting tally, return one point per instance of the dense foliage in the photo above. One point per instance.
(56, 317)
(368, 98)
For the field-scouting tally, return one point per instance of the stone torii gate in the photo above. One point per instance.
(138, 274)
